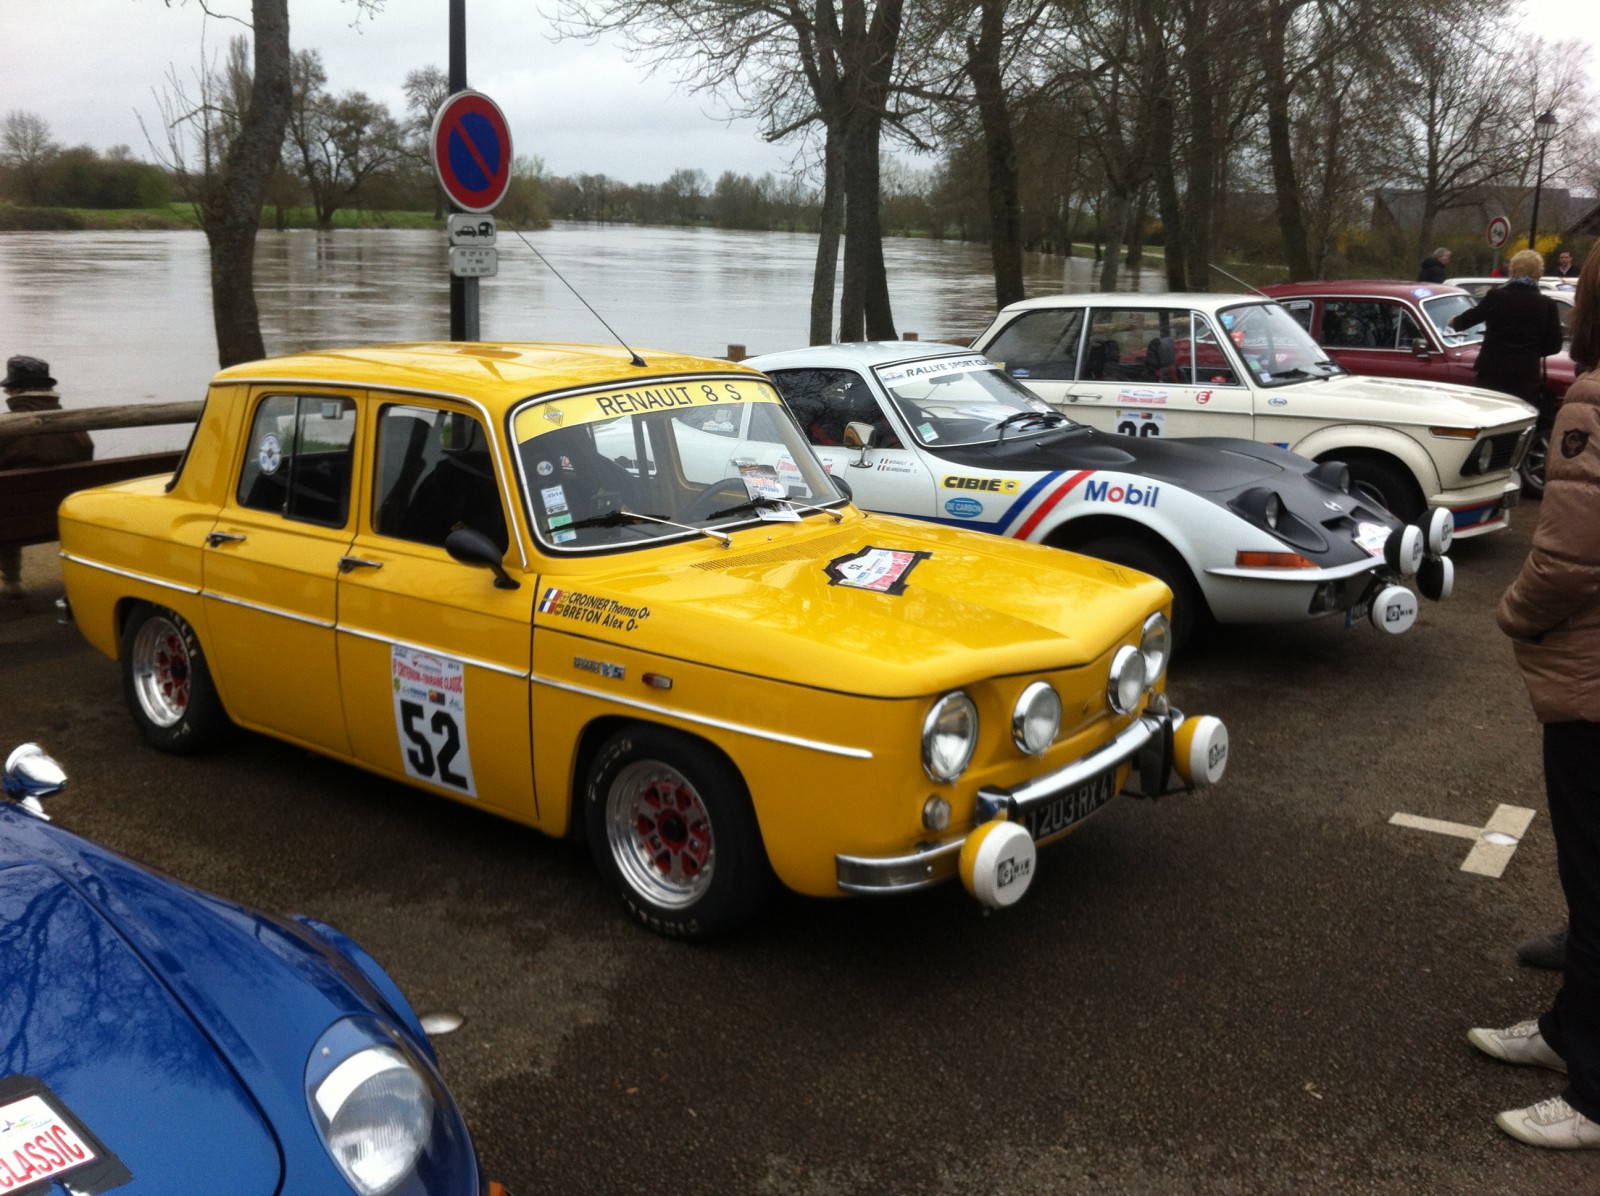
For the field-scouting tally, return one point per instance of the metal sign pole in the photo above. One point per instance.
(463, 291)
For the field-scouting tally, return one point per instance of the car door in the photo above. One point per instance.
(1124, 367)
(891, 475)
(271, 566)
(433, 655)
(1376, 336)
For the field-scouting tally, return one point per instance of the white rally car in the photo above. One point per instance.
(1240, 531)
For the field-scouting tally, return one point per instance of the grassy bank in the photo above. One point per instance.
(179, 216)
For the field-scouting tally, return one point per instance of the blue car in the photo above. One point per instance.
(155, 1039)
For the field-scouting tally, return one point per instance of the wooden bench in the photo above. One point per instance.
(29, 497)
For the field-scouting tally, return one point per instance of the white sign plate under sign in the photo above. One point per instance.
(468, 229)
(474, 261)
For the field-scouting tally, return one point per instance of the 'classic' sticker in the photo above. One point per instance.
(42, 1143)
(882, 570)
(430, 717)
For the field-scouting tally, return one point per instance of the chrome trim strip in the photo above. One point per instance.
(144, 577)
(1335, 573)
(265, 610)
(706, 721)
(346, 629)
(898, 874)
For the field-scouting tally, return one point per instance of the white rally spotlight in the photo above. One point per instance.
(1403, 549)
(997, 862)
(1437, 578)
(1441, 529)
(1394, 609)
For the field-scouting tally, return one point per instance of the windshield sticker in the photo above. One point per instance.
(926, 431)
(430, 717)
(1421, 292)
(1147, 424)
(1022, 372)
(544, 469)
(1139, 394)
(666, 394)
(270, 454)
(964, 508)
(1371, 537)
(761, 481)
(881, 570)
(592, 609)
(555, 500)
(933, 369)
(995, 485)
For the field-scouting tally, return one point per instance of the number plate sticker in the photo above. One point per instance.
(42, 1142)
(430, 717)
(1070, 808)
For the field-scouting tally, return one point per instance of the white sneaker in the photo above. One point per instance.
(1521, 1044)
(1552, 1123)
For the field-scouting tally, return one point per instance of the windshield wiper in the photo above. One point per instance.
(619, 517)
(830, 512)
(1018, 418)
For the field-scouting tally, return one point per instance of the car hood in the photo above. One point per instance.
(1408, 401)
(115, 1046)
(780, 602)
(1212, 465)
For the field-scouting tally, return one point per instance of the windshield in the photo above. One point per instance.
(1441, 309)
(1275, 349)
(963, 400)
(631, 466)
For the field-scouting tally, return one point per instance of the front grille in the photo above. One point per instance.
(1505, 450)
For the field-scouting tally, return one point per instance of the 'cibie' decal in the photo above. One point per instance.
(882, 570)
(590, 608)
(1130, 495)
(994, 485)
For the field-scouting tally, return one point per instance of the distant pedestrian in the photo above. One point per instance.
(1552, 614)
(1564, 267)
(1521, 327)
(1432, 268)
(29, 387)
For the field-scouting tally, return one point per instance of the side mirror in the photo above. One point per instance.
(30, 775)
(860, 435)
(472, 547)
(1420, 349)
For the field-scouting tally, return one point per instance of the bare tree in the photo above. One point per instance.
(426, 88)
(26, 151)
(336, 143)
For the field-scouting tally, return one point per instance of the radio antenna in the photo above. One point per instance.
(1231, 278)
(636, 359)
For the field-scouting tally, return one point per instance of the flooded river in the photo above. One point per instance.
(125, 317)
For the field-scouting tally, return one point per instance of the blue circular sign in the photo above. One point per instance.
(471, 149)
(964, 508)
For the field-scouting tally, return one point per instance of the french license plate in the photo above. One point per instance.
(1059, 813)
(1358, 613)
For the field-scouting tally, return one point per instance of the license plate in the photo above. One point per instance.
(1059, 813)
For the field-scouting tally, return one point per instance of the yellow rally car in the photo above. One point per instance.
(616, 599)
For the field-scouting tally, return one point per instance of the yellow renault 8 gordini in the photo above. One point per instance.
(615, 596)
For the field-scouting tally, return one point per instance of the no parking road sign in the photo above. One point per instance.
(471, 148)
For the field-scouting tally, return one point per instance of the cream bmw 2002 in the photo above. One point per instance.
(546, 580)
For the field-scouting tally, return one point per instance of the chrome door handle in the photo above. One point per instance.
(347, 563)
(214, 539)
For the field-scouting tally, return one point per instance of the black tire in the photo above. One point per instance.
(166, 683)
(1387, 484)
(670, 824)
(1532, 469)
(1188, 604)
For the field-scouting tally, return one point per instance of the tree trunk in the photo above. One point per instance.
(1203, 155)
(231, 207)
(1115, 229)
(1000, 153)
(1286, 184)
(830, 221)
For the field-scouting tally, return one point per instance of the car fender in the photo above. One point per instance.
(1338, 440)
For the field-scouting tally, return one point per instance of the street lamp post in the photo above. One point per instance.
(1544, 128)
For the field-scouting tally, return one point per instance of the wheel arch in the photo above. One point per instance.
(1375, 444)
(1072, 534)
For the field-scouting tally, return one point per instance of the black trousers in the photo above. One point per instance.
(1572, 787)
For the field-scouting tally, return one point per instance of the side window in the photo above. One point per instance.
(1409, 329)
(1134, 344)
(1211, 365)
(1359, 324)
(824, 401)
(434, 473)
(1040, 344)
(300, 452)
(1300, 309)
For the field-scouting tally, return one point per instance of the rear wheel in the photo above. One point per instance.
(1387, 484)
(1532, 470)
(166, 682)
(670, 823)
(1188, 605)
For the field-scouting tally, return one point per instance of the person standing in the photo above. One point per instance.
(1551, 612)
(1521, 327)
(1564, 267)
(1432, 268)
(29, 387)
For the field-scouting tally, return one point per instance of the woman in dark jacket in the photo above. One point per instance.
(1521, 327)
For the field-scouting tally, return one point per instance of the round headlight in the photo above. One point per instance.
(1126, 681)
(1036, 719)
(374, 1112)
(1155, 644)
(949, 734)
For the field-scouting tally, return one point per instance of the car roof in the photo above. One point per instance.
(494, 373)
(858, 353)
(1377, 288)
(1200, 300)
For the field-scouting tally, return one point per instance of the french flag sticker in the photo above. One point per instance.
(551, 599)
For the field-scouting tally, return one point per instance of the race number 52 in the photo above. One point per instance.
(430, 717)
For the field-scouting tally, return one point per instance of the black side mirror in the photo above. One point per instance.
(1420, 348)
(472, 547)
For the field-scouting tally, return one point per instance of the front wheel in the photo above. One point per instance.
(166, 683)
(1532, 470)
(1389, 485)
(1188, 605)
(670, 823)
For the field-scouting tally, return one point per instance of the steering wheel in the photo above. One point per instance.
(702, 505)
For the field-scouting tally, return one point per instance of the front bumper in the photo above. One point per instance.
(1149, 737)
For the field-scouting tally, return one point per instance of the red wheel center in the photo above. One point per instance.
(672, 827)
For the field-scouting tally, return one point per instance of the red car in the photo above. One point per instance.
(1402, 330)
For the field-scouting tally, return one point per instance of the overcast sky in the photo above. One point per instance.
(90, 67)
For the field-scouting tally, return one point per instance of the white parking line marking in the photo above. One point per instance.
(1494, 842)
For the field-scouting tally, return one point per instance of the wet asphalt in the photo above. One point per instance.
(1261, 989)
